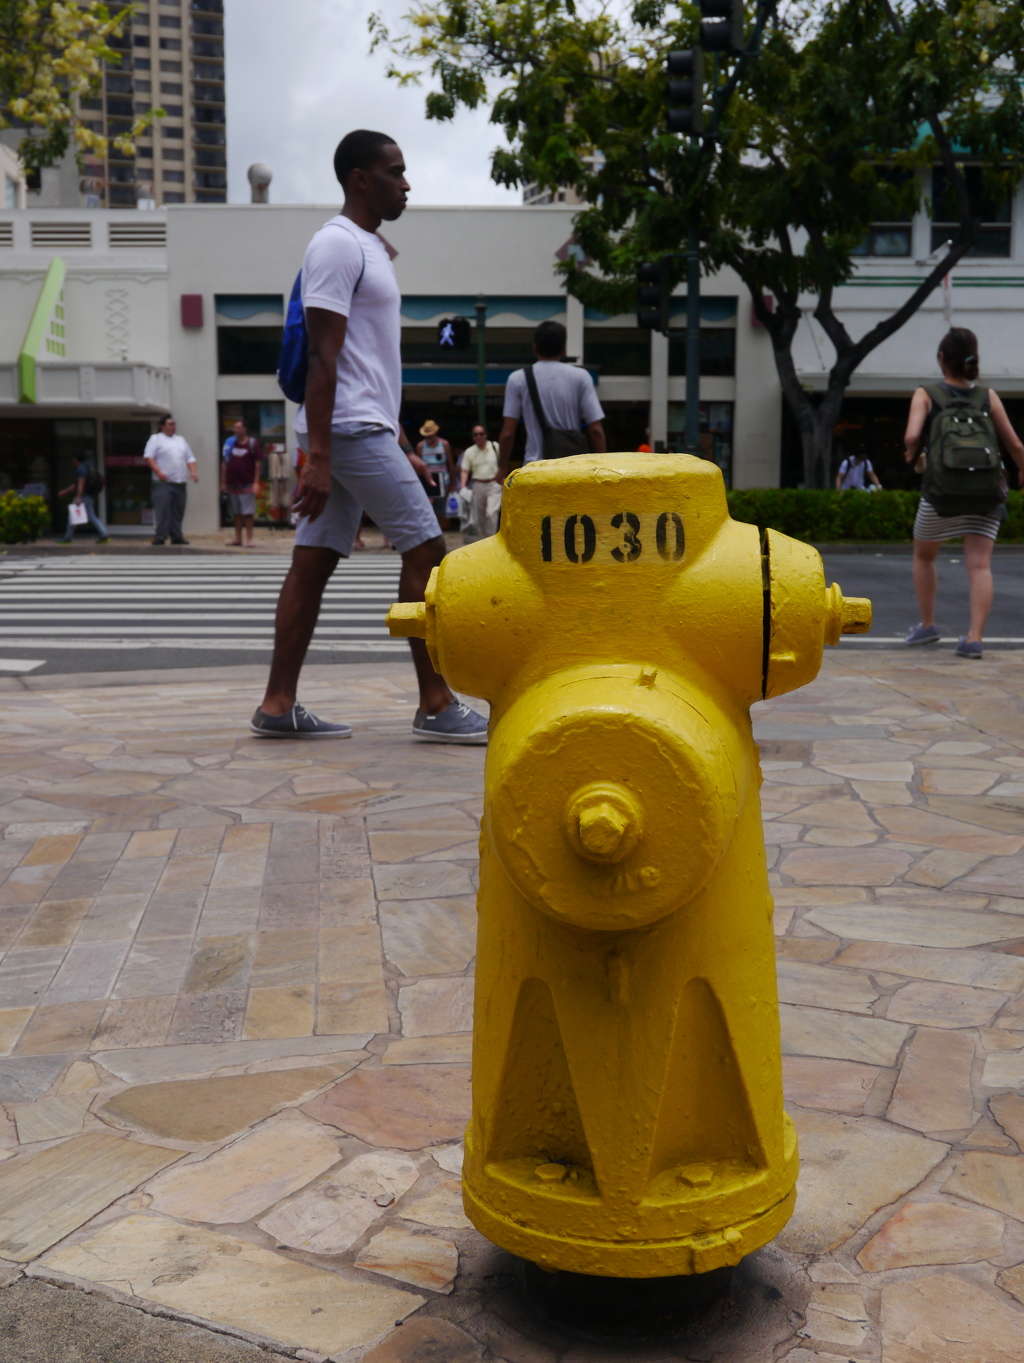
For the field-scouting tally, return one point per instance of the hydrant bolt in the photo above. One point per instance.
(603, 822)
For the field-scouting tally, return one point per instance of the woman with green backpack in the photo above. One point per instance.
(952, 437)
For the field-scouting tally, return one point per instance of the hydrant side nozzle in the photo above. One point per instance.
(407, 620)
(845, 614)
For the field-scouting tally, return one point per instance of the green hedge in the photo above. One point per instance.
(22, 518)
(829, 517)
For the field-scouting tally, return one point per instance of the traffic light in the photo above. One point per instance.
(654, 290)
(721, 25)
(685, 90)
(454, 333)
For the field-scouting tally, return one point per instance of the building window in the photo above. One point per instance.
(717, 352)
(123, 196)
(174, 153)
(140, 40)
(170, 44)
(172, 132)
(617, 350)
(174, 177)
(10, 192)
(248, 350)
(120, 106)
(174, 199)
(209, 137)
(170, 21)
(170, 67)
(174, 110)
(142, 87)
(211, 179)
(993, 212)
(168, 87)
(205, 48)
(715, 433)
(210, 158)
(118, 84)
(143, 153)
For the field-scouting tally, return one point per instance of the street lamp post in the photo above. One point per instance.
(481, 361)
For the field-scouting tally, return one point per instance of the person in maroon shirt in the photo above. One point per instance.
(240, 479)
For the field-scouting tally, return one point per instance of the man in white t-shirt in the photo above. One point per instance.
(855, 472)
(357, 456)
(171, 463)
(566, 394)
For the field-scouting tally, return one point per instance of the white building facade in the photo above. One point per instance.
(110, 318)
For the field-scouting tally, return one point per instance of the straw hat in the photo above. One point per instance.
(429, 428)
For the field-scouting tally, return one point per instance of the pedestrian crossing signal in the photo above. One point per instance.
(454, 333)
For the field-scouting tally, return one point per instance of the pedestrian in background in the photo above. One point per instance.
(855, 472)
(436, 453)
(943, 517)
(172, 463)
(240, 479)
(555, 400)
(480, 462)
(86, 487)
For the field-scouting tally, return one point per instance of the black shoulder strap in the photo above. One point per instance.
(531, 383)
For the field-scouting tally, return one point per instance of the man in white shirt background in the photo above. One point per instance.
(172, 463)
(566, 394)
(356, 452)
(480, 462)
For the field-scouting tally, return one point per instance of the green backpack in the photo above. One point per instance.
(963, 468)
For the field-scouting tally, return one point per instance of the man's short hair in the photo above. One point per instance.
(358, 151)
(241, 421)
(164, 420)
(549, 338)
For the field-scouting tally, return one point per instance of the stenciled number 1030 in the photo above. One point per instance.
(574, 539)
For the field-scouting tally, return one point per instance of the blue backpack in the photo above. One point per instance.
(293, 362)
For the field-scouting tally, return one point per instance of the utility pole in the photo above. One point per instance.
(481, 361)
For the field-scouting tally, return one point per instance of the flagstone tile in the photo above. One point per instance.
(345, 902)
(943, 865)
(842, 814)
(439, 817)
(436, 1006)
(995, 1181)
(814, 949)
(988, 969)
(80, 1078)
(429, 936)
(241, 1180)
(835, 1315)
(247, 837)
(402, 846)
(24, 1078)
(153, 968)
(440, 1207)
(839, 837)
(831, 1085)
(54, 923)
(87, 972)
(944, 781)
(203, 1110)
(413, 1257)
(47, 1119)
(850, 1168)
(800, 896)
(426, 1339)
(46, 1194)
(933, 1091)
(329, 1217)
(944, 1005)
(191, 842)
(232, 1282)
(345, 1008)
(52, 851)
(12, 1024)
(827, 866)
(154, 844)
(1004, 1069)
(882, 793)
(840, 1036)
(940, 1319)
(430, 1050)
(214, 1017)
(219, 963)
(281, 1011)
(933, 1233)
(825, 987)
(911, 927)
(155, 1063)
(350, 955)
(420, 880)
(64, 1028)
(1000, 875)
(938, 830)
(1008, 1110)
(405, 1107)
(289, 958)
(112, 918)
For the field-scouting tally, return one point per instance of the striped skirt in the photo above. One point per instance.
(929, 525)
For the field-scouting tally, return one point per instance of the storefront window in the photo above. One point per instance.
(715, 433)
(128, 479)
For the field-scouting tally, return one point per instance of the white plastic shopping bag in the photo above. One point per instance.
(78, 514)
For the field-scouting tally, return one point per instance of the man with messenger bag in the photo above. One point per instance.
(557, 401)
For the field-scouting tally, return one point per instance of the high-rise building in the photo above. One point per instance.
(172, 58)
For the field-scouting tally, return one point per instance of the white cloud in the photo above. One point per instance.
(299, 76)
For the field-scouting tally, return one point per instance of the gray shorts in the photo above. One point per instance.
(369, 473)
(241, 503)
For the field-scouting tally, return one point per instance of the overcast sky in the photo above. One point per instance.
(299, 77)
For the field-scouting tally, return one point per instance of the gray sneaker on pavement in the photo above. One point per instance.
(923, 634)
(968, 648)
(457, 724)
(296, 723)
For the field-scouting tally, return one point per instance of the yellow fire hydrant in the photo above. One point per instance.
(627, 1088)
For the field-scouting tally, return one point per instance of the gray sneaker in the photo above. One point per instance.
(457, 724)
(968, 648)
(296, 723)
(923, 634)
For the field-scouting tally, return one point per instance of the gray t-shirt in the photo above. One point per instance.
(566, 393)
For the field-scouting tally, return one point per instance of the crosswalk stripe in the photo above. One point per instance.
(196, 602)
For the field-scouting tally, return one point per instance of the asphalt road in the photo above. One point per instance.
(117, 625)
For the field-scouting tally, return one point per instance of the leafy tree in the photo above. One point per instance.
(828, 131)
(52, 55)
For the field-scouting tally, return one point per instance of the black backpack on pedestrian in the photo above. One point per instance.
(94, 483)
(963, 472)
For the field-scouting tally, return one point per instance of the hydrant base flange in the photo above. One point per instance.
(699, 1253)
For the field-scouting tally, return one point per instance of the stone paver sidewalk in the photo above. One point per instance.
(235, 1003)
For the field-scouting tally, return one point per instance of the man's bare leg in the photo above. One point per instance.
(298, 608)
(417, 565)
